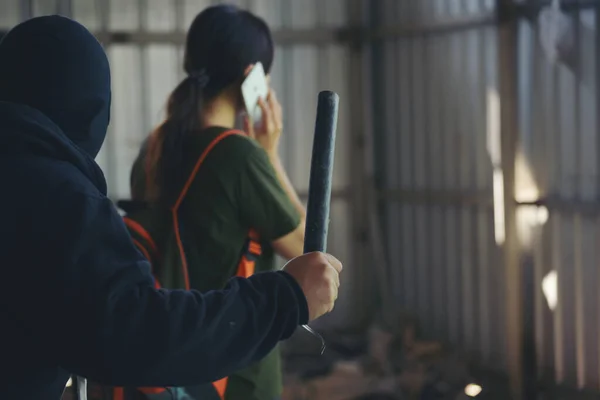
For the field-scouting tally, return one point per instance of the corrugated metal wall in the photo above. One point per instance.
(436, 175)
(440, 181)
(560, 142)
(148, 65)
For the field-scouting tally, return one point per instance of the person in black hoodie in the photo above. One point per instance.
(78, 298)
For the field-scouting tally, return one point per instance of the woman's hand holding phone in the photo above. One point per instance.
(268, 131)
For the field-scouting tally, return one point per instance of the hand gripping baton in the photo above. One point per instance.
(321, 173)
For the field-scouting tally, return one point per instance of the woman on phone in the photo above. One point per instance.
(236, 206)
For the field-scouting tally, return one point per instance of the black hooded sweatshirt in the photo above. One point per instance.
(77, 297)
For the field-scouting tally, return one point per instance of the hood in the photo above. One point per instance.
(55, 66)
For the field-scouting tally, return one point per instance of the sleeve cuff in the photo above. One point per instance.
(286, 225)
(300, 297)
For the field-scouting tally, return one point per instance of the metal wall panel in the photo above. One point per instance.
(559, 130)
(11, 12)
(436, 184)
(438, 163)
(144, 75)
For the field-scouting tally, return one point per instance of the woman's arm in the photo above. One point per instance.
(286, 184)
(292, 244)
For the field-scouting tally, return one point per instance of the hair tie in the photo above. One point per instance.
(200, 77)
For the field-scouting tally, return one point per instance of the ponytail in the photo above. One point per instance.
(164, 159)
(221, 43)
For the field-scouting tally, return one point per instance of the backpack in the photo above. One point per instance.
(157, 232)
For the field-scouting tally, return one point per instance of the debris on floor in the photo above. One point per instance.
(389, 363)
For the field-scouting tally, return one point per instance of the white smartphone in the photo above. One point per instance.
(254, 87)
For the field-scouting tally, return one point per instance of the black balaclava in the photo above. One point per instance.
(55, 65)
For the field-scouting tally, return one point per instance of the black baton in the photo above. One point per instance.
(321, 174)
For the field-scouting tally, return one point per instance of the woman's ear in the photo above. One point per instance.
(248, 69)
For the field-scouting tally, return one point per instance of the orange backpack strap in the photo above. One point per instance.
(143, 240)
(246, 268)
(252, 250)
(221, 385)
(118, 393)
(186, 188)
(153, 390)
(142, 232)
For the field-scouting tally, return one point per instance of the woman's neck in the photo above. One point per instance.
(219, 112)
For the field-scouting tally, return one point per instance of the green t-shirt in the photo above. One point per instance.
(236, 189)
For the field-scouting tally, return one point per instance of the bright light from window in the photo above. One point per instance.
(542, 215)
(494, 149)
(493, 127)
(550, 289)
(70, 382)
(473, 390)
(499, 227)
(525, 190)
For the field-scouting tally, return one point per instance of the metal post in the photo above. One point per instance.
(357, 108)
(103, 11)
(509, 136)
(597, 73)
(143, 14)
(377, 145)
(528, 275)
